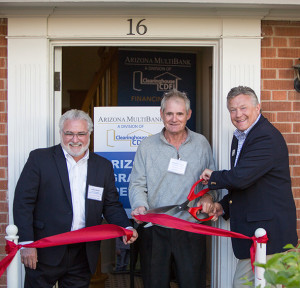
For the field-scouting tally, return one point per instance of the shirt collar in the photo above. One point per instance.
(238, 134)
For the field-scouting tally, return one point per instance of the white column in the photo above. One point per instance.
(260, 257)
(239, 65)
(28, 94)
(13, 276)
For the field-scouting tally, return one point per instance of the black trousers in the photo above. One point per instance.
(160, 248)
(72, 272)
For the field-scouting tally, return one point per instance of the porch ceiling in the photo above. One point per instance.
(264, 9)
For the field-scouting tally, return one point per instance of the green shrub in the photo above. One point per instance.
(283, 268)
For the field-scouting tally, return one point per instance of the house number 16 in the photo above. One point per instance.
(140, 28)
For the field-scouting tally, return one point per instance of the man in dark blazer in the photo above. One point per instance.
(258, 183)
(65, 188)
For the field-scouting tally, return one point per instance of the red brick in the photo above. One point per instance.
(3, 139)
(294, 42)
(265, 95)
(278, 84)
(3, 95)
(268, 73)
(284, 127)
(286, 74)
(287, 31)
(296, 183)
(3, 63)
(277, 106)
(288, 117)
(296, 127)
(3, 185)
(3, 163)
(294, 148)
(296, 106)
(292, 138)
(3, 41)
(3, 30)
(296, 172)
(293, 95)
(3, 128)
(3, 73)
(3, 106)
(294, 160)
(2, 84)
(277, 63)
(268, 52)
(272, 117)
(266, 42)
(288, 52)
(3, 117)
(3, 218)
(3, 52)
(3, 150)
(3, 196)
(266, 30)
(3, 174)
(279, 95)
(4, 207)
(279, 42)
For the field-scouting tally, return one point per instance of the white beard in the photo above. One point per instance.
(82, 150)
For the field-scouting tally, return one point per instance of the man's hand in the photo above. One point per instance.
(137, 211)
(212, 209)
(207, 204)
(133, 237)
(206, 176)
(29, 257)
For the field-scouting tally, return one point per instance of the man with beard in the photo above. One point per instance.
(64, 188)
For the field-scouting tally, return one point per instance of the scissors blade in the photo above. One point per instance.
(162, 209)
(182, 207)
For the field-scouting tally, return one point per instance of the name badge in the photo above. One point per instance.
(177, 166)
(95, 193)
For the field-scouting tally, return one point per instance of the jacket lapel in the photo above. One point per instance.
(234, 145)
(91, 166)
(62, 168)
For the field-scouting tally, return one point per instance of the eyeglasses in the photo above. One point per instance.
(71, 135)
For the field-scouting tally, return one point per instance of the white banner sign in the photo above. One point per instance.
(117, 133)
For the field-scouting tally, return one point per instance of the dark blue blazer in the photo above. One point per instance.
(259, 190)
(43, 205)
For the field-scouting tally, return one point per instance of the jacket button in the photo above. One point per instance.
(230, 202)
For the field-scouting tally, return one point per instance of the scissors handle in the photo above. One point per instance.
(194, 210)
(192, 194)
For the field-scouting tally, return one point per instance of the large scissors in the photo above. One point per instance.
(194, 211)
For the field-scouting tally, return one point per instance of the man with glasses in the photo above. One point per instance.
(65, 188)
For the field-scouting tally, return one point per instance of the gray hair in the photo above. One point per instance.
(174, 93)
(236, 91)
(75, 114)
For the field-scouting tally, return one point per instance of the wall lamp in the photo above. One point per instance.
(297, 79)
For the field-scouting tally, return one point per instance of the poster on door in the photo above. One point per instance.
(144, 76)
(118, 131)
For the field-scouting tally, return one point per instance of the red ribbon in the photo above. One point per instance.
(109, 231)
(172, 222)
(94, 233)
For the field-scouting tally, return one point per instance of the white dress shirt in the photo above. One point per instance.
(77, 176)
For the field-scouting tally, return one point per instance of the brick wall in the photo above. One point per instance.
(280, 102)
(3, 141)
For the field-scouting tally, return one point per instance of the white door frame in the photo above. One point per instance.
(31, 113)
(55, 98)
